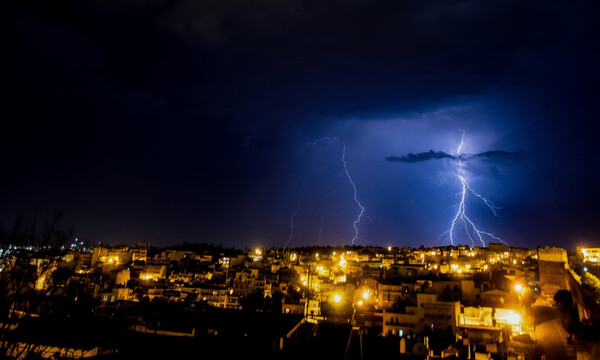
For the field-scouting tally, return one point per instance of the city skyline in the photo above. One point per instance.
(293, 179)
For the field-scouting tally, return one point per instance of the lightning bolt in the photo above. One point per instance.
(361, 214)
(321, 229)
(292, 225)
(461, 219)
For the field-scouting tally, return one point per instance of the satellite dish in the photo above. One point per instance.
(419, 349)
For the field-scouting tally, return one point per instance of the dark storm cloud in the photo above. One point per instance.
(413, 158)
(497, 154)
(348, 58)
(433, 155)
(258, 64)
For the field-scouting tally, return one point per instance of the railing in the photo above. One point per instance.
(400, 324)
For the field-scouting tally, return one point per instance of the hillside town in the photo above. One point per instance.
(449, 302)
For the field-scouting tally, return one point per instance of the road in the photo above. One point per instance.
(551, 336)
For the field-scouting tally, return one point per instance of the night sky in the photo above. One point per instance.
(175, 121)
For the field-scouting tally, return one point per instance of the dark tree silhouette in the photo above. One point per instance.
(568, 312)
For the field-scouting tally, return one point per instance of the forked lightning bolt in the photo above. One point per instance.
(461, 219)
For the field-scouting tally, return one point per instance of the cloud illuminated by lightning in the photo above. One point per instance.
(461, 219)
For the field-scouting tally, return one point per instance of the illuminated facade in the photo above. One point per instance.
(591, 255)
(439, 316)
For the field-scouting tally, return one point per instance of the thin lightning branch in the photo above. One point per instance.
(461, 219)
(442, 181)
(487, 202)
(361, 213)
(323, 217)
(321, 230)
(320, 235)
(292, 225)
(328, 139)
(314, 143)
(362, 208)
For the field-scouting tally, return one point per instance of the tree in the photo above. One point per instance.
(52, 235)
(590, 280)
(22, 234)
(277, 302)
(253, 301)
(568, 312)
(563, 299)
(16, 293)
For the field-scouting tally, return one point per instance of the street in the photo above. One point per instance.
(551, 336)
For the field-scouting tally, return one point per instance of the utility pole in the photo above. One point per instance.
(360, 334)
(307, 292)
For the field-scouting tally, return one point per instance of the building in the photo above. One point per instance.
(591, 255)
(154, 272)
(439, 316)
(111, 256)
(553, 265)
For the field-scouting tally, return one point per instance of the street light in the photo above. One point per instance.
(337, 298)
